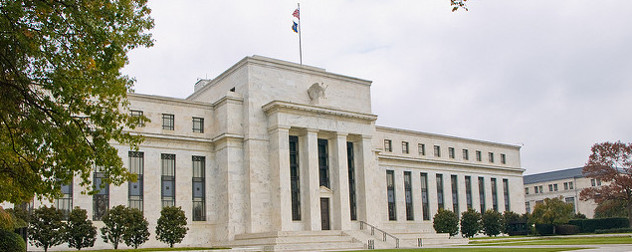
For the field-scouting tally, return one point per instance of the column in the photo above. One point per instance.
(340, 184)
(310, 188)
(370, 184)
(280, 164)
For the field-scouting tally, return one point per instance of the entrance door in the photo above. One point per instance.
(324, 213)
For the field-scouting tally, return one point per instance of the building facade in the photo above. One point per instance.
(567, 184)
(272, 146)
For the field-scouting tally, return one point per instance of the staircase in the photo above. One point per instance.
(335, 240)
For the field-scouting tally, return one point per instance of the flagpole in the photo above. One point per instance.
(300, 49)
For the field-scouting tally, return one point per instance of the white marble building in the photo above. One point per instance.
(272, 149)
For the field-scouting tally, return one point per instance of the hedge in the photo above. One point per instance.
(566, 229)
(11, 242)
(544, 229)
(613, 230)
(590, 225)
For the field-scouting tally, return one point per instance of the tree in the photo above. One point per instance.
(456, 4)
(80, 233)
(552, 211)
(492, 222)
(63, 98)
(610, 208)
(470, 223)
(509, 218)
(136, 231)
(171, 226)
(114, 221)
(612, 164)
(446, 221)
(11, 242)
(46, 228)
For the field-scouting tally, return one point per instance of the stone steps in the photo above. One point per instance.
(296, 241)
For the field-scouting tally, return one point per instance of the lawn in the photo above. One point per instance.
(142, 249)
(556, 241)
(470, 249)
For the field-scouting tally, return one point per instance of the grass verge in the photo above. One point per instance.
(557, 241)
(145, 249)
(462, 249)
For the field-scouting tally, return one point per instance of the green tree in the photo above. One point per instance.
(114, 220)
(171, 226)
(446, 221)
(552, 211)
(136, 231)
(610, 208)
(46, 228)
(11, 242)
(492, 222)
(509, 218)
(80, 233)
(470, 223)
(63, 98)
(7, 220)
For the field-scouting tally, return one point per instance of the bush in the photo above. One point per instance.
(114, 220)
(124, 224)
(136, 232)
(470, 223)
(544, 229)
(590, 225)
(446, 221)
(11, 242)
(46, 228)
(492, 222)
(613, 230)
(80, 231)
(171, 226)
(566, 229)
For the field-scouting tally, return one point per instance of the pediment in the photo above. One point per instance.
(325, 191)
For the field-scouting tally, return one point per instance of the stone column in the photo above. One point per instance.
(433, 204)
(280, 164)
(416, 189)
(340, 184)
(310, 188)
(370, 184)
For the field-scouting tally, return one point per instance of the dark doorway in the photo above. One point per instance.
(324, 213)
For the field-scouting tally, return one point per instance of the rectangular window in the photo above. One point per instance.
(455, 194)
(295, 182)
(64, 203)
(555, 187)
(451, 152)
(494, 195)
(408, 195)
(388, 146)
(503, 159)
(390, 192)
(491, 157)
(598, 182)
(466, 154)
(422, 149)
(440, 191)
(137, 114)
(479, 156)
(323, 162)
(541, 190)
(198, 125)
(167, 122)
(527, 207)
(425, 206)
(570, 185)
(405, 147)
(506, 194)
(199, 188)
(535, 188)
(101, 199)
(570, 200)
(468, 191)
(481, 193)
(565, 185)
(437, 151)
(550, 187)
(353, 202)
(168, 179)
(135, 191)
(592, 182)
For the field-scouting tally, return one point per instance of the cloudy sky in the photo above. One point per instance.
(552, 76)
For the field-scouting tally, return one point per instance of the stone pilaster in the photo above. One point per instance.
(280, 164)
(340, 183)
(310, 188)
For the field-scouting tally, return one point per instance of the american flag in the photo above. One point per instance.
(296, 14)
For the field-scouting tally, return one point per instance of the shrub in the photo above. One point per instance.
(114, 221)
(470, 223)
(446, 221)
(171, 226)
(46, 228)
(135, 232)
(544, 229)
(566, 229)
(80, 232)
(11, 242)
(590, 225)
(613, 230)
(492, 222)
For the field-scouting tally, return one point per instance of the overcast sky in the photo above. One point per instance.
(552, 76)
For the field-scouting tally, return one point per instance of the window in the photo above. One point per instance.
(353, 202)
(390, 192)
(503, 159)
(491, 157)
(424, 197)
(295, 182)
(135, 191)
(494, 195)
(598, 182)
(555, 187)
(565, 185)
(437, 151)
(455, 194)
(541, 190)
(466, 154)
(468, 191)
(527, 207)
(167, 122)
(571, 200)
(592, 182)
(64, 203)
(451, 152)
(137, 114)
(535, 188)
(101, 199)
(479, 156)
(440, 191)
(550, 187)
(570, 185)
(408, 196)
(422, 149)
(481, 193)
(199, 188)
(526, 190)
(168, 179)
(506, 194)
(198, 125)
(323, 162)
(388, 147)
(405, 147)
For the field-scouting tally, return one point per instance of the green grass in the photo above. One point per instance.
(558, 241)
(461, 249)
(144, 249)
(499, 237)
